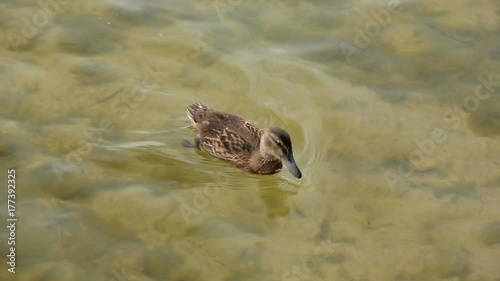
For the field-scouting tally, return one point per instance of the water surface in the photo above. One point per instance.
(392, 106)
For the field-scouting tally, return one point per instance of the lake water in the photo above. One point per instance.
(393, 108)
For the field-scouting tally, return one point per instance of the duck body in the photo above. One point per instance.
(230, 137)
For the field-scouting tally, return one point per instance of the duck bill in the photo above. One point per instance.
(290, 164)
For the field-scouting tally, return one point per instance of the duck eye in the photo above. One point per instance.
(280, 145)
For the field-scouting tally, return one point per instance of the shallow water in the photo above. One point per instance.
(393, 109)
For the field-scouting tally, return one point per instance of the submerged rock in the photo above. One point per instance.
(88, 35)
(486, 119)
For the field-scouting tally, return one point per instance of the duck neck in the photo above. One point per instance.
(263, 158)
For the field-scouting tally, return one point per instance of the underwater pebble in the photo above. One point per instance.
(490, 234)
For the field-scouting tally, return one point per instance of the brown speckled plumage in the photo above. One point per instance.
(230, 137)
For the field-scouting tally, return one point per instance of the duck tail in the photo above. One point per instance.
(196, 112)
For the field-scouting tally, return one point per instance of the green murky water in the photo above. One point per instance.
(393, 108)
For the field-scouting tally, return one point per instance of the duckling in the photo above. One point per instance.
(230, 137)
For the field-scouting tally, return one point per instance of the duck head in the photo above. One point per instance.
(275, 143)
